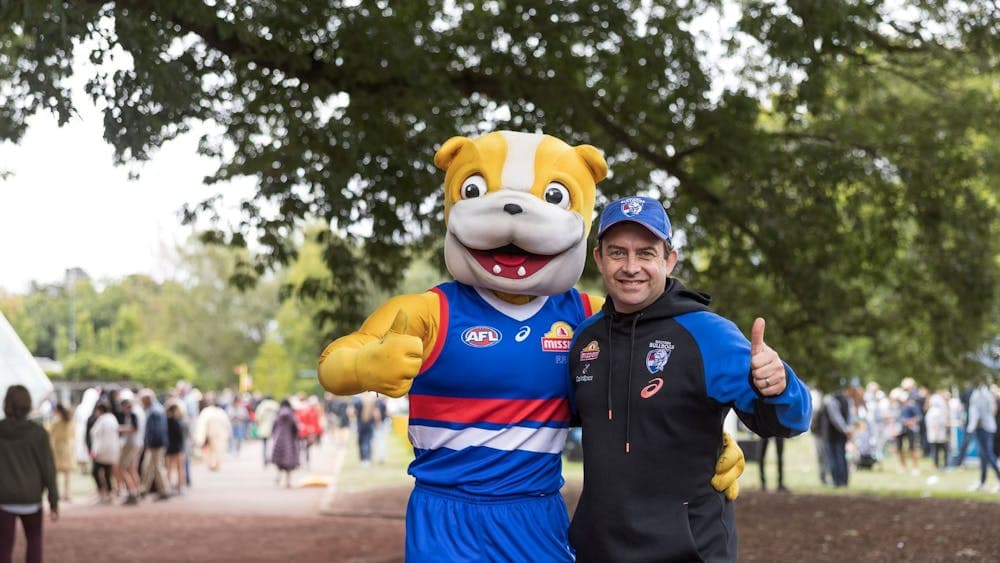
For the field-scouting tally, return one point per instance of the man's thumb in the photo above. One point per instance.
(399, 323)
(757, 336)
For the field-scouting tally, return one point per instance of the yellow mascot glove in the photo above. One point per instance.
(729, 467)
(389, 365)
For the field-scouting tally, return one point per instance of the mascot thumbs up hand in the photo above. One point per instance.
(385, 365)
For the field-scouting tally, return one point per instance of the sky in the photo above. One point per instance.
(65, 205)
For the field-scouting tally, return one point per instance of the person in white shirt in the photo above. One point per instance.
(105, 447)
(982, 422)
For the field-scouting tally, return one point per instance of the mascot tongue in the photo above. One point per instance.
(510, 262)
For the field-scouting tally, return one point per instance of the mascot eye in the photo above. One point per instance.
(557, 194)
(474, 186)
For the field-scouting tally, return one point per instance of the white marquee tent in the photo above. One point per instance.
(18, 366)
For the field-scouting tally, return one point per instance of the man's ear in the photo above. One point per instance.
(449, 150)
(594, 160)
(597, 257)
(671, 258)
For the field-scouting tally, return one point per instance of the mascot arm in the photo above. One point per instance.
(386, 353)
(729, 467)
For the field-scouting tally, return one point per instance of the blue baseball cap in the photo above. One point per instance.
(646, 211)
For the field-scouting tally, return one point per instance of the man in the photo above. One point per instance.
(264, 414)
(27, 470)
(982, 424)
(840, 410)
(910, 419)
(131, 448)
(155, 441)
(654, 374)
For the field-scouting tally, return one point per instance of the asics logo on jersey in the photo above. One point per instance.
(652, 387)
(522, 334)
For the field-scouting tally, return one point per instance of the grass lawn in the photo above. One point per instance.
(801, 474)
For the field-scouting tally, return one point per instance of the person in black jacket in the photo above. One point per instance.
(654, 374)
(838, 429)
(27, 469)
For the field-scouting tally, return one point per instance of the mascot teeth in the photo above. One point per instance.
(509, 261)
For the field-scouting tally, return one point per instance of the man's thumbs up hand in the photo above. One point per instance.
(767, 372)
(757, 336)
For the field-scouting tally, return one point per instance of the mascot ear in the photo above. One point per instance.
(449, 150)
(592, 157)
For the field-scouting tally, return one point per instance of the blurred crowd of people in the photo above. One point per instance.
(858, 426)
(137, 444)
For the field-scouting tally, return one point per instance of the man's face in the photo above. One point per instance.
(634, 265)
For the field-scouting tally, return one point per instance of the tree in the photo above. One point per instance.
(159, 369)
(201, 317)
(841, 182)
(198, 317)
(273, 372)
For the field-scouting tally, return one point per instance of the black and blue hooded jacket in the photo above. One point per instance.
(651, 390)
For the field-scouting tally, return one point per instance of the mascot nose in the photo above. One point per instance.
(512, 208)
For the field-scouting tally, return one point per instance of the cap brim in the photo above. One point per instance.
(656, 232)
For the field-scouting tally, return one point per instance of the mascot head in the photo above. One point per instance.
(518, 208)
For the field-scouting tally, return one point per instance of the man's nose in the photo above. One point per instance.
(632, 262)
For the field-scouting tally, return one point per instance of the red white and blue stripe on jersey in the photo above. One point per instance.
(489, 412)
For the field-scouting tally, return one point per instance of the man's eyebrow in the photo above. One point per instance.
(612, 246)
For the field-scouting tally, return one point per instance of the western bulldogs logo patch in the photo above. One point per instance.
(658, 357)
(632, 207)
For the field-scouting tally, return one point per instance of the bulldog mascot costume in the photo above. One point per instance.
(484, 357)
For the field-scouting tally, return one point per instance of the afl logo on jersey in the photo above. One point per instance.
(481, 336)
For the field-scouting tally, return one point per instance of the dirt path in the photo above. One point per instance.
(239, 515)
(234, 514)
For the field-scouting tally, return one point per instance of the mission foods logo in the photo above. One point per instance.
(590, 351)
(481, 336)
(558, 338)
